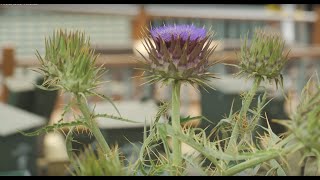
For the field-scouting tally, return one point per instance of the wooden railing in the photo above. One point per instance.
(129, 60)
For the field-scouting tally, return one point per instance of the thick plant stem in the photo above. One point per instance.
(177, 154)
(258, 160)
(243, 113)
(93, 125)
(249, 97)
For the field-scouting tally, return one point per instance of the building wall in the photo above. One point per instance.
(26, 29)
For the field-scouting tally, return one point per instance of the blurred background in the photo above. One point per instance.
(114, 31)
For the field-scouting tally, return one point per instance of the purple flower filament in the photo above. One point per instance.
(179, 40)
(179, 33)
(183, 31)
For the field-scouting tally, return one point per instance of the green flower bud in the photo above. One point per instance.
(69, 63)
(306, 122)
(264, 58)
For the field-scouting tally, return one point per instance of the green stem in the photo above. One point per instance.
(243, 112)
(255, 161)
(177, 154)
(249, 163)
(93, 125)
(249, 97)
(285, 146)
(69, 139)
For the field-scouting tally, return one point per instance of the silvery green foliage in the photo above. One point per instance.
(305, 123)
(95, 163)
(180, 53)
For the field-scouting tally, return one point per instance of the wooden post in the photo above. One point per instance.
(316, 26)
(8, 70)
(140, 22)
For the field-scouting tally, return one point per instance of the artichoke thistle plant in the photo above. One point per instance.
(179, 54)
(69, 66)
(263, 60)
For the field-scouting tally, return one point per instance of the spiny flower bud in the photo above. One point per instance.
(264, 59)
(178, 52)
(69, 63)
(306, 122)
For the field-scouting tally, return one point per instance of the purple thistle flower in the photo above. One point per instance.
(182, 31)
(179, 52)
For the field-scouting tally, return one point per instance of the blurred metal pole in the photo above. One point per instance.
(287, 25)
